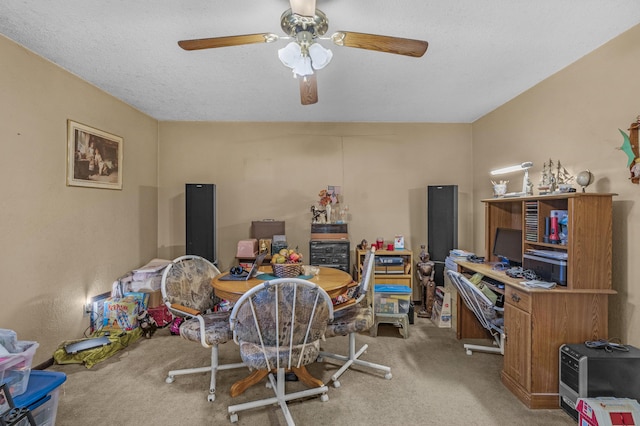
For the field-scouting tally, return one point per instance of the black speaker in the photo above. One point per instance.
(442, 225)
(201, 220)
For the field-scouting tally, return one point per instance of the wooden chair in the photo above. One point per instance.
(489, 315)
(356, 317)
(278, 325)
(187, 293)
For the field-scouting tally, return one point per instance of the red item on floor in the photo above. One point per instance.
(161, 314)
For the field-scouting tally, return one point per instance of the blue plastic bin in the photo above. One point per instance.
(41, 396)
(392, 299)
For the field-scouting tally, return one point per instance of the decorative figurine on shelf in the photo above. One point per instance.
(630, 147)
(319, 216)
(342, 213)
(563, 179)
(555, 179)
(426, 271)
(499, 188)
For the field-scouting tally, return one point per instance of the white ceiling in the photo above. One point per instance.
(481, 54)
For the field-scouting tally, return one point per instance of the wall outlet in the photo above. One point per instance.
(86, 309)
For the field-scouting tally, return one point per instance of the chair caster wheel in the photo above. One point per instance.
(469, 352)
(336, 384)
(170, 379)
(233, 417)
(324, 397)
(388, 376)
(211, 397)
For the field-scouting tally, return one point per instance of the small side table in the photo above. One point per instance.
(397, 319)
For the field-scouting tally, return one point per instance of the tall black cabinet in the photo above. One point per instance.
(201, 220)
(442, 225)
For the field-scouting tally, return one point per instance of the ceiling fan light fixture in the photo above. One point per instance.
(320, 56)
(291, 56)
(303, 67)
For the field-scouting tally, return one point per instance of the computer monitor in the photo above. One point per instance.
(507, 246)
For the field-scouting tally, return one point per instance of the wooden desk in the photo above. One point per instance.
(536, 323)
(333, 281)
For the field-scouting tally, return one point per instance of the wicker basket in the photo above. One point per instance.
(286, 270)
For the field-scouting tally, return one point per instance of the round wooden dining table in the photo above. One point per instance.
(333, 281)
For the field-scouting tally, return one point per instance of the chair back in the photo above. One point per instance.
(475, 300)
(187, 282)
(278, 324)
(364, 286)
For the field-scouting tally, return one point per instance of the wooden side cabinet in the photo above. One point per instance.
(389, 275)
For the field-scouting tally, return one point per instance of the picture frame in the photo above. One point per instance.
(94, 157)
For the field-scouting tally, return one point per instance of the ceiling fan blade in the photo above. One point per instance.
(210, 43)
(397, 45)
(303, 7)
(308, 89)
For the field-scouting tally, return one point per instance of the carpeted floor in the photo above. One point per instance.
(434, 383)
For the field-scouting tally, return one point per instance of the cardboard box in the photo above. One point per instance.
(155, 298)
(441, 312)
(247, 248)
(608, 411)
(120, 314)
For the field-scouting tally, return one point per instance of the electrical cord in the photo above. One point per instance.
(607, 345)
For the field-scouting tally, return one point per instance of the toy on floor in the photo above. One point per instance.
(147, 324)
(174, 328)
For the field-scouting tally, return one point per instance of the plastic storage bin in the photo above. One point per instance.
(15, 367)
(392, 299)
(41, 397)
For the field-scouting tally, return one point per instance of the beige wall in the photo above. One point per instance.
(275, 170)
(61, 244)
(574, 117)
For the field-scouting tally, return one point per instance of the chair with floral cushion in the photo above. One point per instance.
(489, 315)
(355, 318)
(278, 325)
(187, 293)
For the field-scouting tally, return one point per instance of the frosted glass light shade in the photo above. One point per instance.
(290, 54)
(302, 65)
(320, 57)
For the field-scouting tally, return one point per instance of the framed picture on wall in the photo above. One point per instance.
(94, 157)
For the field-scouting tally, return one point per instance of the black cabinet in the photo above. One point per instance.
(330, 253)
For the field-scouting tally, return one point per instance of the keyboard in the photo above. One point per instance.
(493, 283)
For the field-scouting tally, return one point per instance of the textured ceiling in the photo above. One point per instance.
(481, 54)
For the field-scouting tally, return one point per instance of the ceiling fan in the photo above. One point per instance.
(305, 24)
